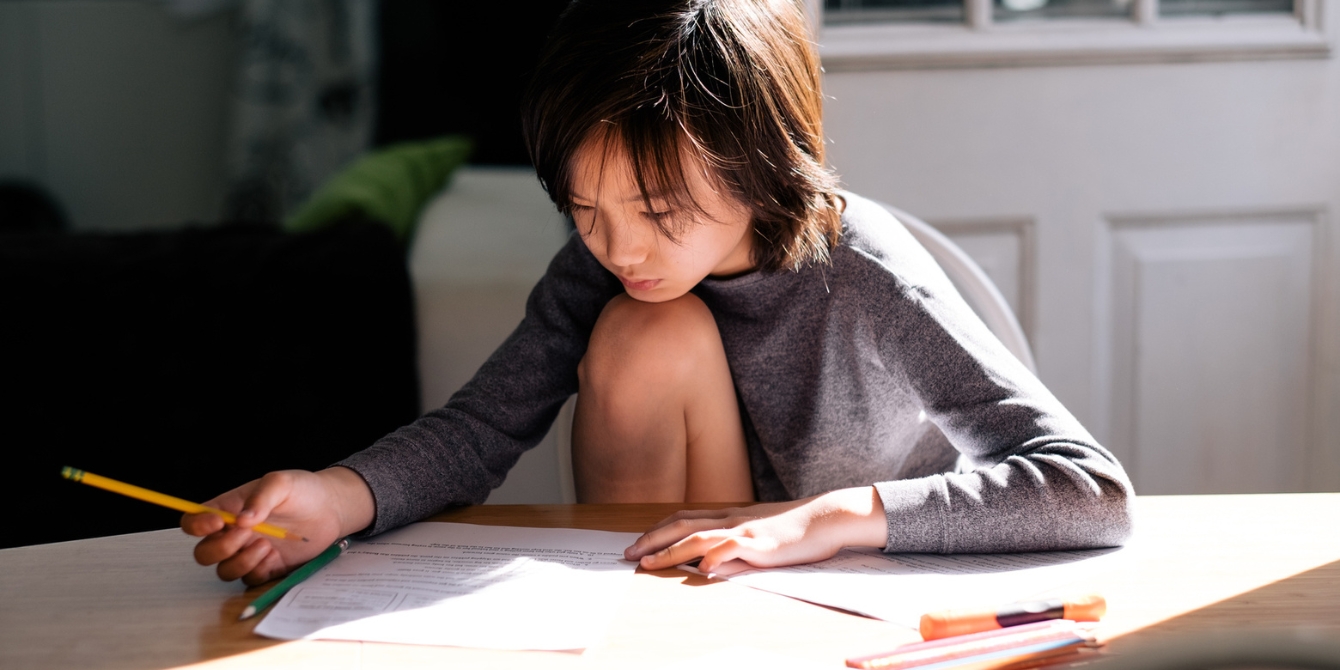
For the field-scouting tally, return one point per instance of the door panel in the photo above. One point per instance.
(1209, 341)
(1201, 342)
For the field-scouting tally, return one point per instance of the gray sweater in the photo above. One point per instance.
(868, 370)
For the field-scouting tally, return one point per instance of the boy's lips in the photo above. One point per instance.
(639, 284)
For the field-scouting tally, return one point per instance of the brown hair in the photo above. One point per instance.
(734, 82)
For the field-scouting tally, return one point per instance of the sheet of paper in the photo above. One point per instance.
(464, 585)
(740, 657)
(901, 587)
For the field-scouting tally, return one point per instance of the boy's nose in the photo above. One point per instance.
(627, 245)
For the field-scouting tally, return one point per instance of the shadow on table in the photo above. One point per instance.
(1290, 623)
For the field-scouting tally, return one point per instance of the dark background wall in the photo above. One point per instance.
(459, 67)
(156, 357)
(118, 109)
(121, 110)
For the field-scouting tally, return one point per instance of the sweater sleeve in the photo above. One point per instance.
(1029, 478)
(457, 454)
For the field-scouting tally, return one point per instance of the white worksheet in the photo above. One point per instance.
(901, 587)
(464, 585)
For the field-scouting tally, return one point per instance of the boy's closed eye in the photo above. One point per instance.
(653, 215)
(583, 217)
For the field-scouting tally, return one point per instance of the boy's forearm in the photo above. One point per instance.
(858, 516)
(353, 499)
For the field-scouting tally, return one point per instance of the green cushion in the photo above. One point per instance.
(390, 185)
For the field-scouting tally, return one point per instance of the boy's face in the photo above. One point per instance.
(621, 231)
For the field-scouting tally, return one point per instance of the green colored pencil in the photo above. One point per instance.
(295, 578)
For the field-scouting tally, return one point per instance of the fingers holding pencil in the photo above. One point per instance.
(239, 551)
(203, 523)
(255, 563)
(298, 500)
(249, 505)
(237, 528)
(164, 500)
(236, 550)
(234, 505)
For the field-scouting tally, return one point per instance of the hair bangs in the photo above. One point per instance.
(728, 87)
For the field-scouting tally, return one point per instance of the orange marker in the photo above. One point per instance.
(948, 623)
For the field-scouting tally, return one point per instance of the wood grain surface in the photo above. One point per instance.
(1226, 564)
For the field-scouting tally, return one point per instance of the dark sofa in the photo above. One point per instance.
(190, 362)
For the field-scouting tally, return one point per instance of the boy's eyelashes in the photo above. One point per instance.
(658, 216)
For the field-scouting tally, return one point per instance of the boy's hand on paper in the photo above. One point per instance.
(321, 506)
(767, 535)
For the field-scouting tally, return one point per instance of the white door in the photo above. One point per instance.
(1155, 192)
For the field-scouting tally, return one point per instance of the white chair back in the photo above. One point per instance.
(972, 283)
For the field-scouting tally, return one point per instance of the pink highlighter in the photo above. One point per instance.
(990, 648)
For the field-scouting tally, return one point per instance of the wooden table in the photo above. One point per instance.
(1209, 563)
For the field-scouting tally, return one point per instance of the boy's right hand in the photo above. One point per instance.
(321, 506)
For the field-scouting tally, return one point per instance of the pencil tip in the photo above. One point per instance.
(247, 613)
(305, 540)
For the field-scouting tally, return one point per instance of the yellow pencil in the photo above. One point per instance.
(168, 501)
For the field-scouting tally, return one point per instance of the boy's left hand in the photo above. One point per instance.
(767, 535)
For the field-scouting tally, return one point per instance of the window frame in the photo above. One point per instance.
(1145, 38)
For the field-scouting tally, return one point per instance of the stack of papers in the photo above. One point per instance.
(558, 589)
(464, 585)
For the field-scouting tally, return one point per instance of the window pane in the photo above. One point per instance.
(877, 11)
(1007, 10)
(1215, 7)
